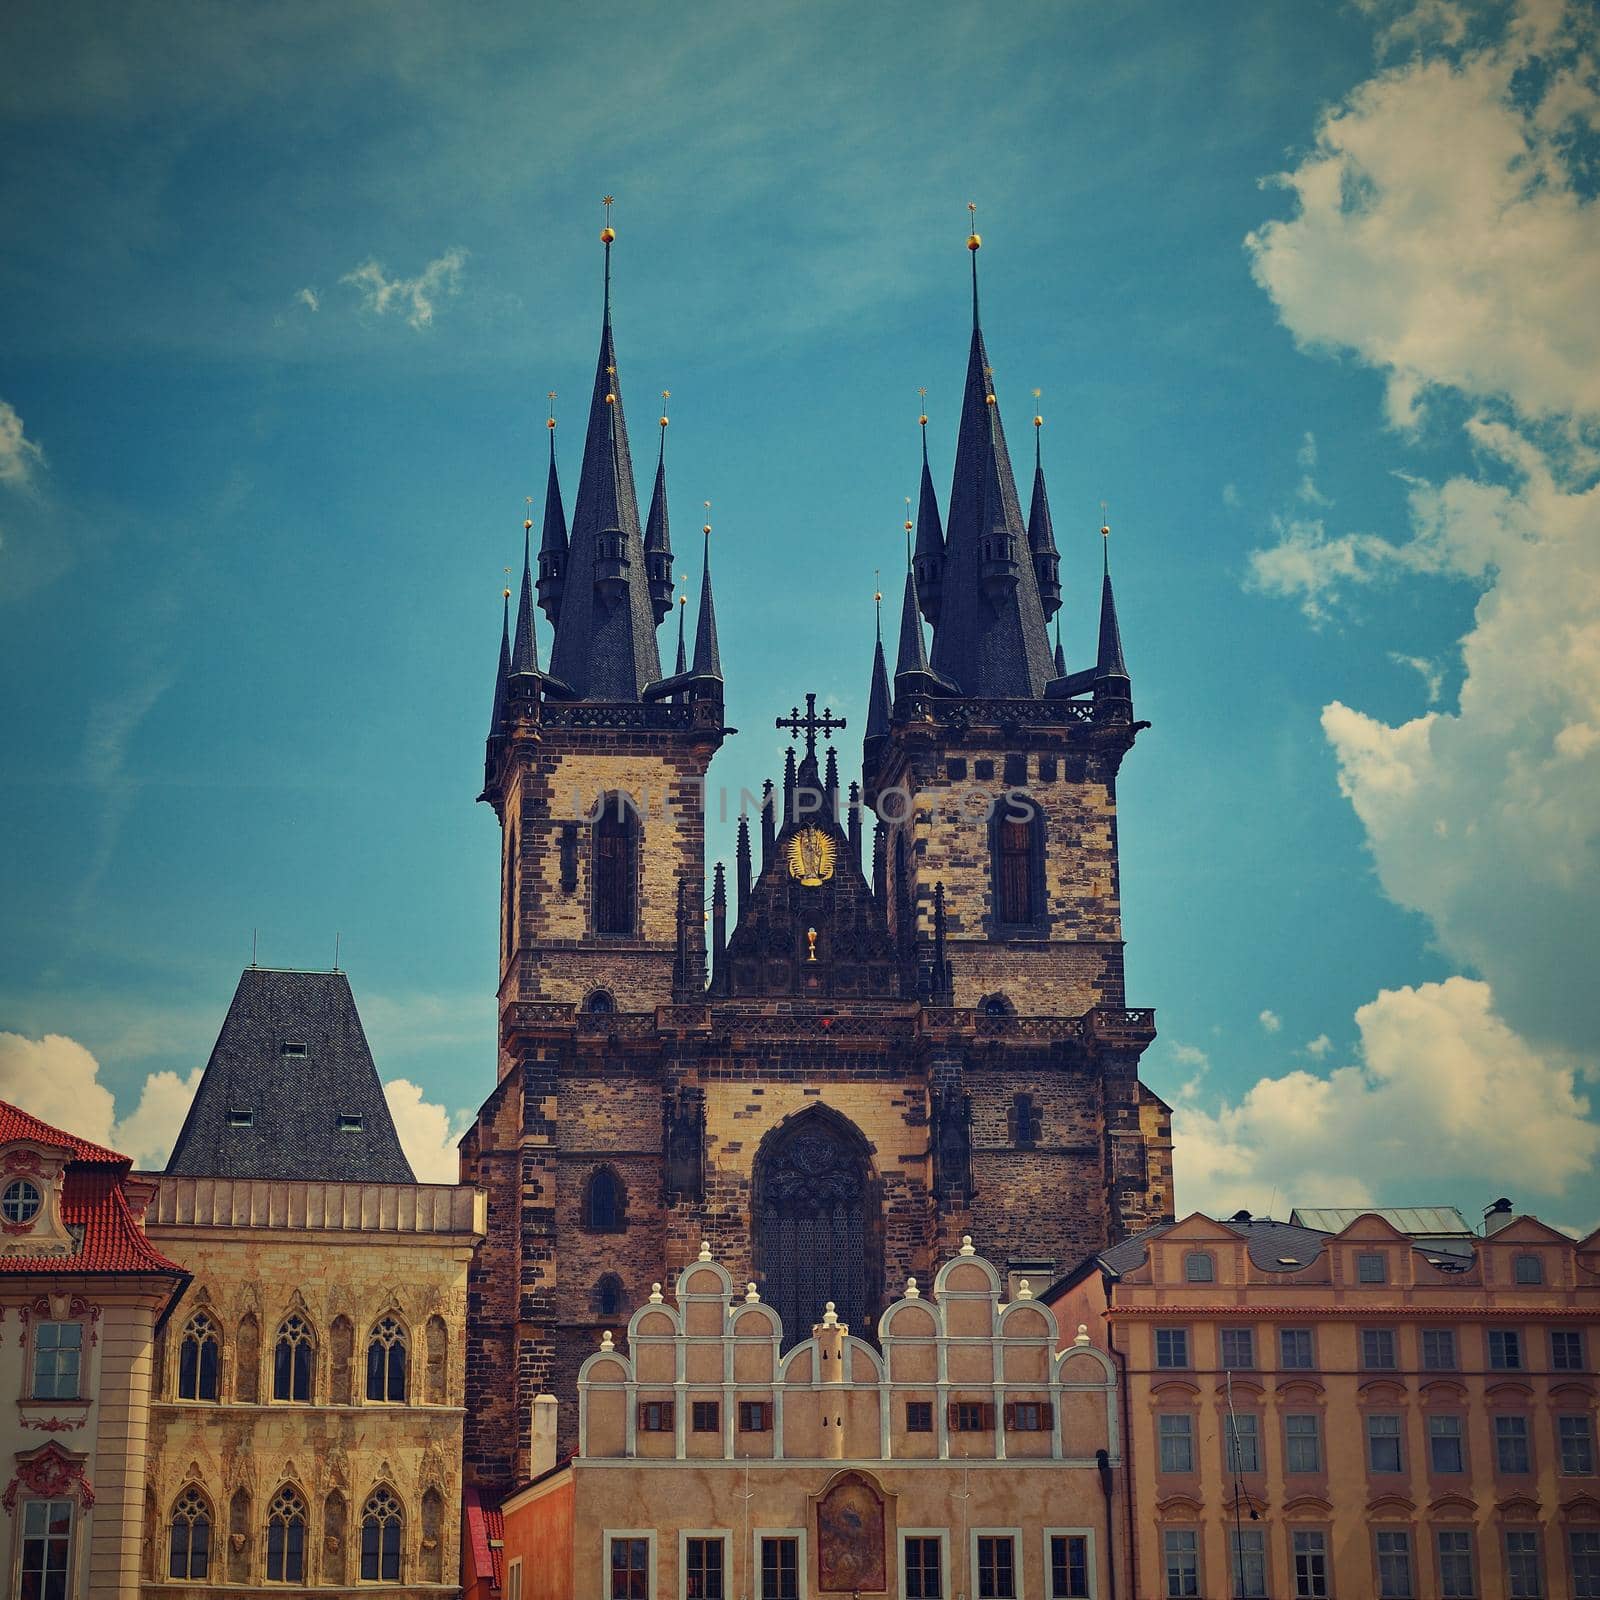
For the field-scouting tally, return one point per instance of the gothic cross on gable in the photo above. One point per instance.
(811, 724)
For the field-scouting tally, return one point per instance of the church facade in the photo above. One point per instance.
(903, 1020)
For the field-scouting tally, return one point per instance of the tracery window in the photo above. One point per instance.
(198, 1359)
(386, 1361)
(381, 1525)
(189, 1544)
(286, 1537)
(291, 1361)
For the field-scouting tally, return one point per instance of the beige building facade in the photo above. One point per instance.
(964, 1454)
(306, 1417)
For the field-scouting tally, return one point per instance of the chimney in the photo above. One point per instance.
(542, 1457)
(1497, 1216)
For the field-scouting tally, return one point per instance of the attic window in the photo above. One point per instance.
(21, 1201)
(1288, 1261)
(241, 1117)
(292, 1047)
(349, 1122)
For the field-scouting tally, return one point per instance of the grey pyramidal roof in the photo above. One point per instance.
(290, 1090)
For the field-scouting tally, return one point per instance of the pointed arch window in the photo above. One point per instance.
(605, 1207)
(198, 1359)
(286, 1537)
(510, 908)
(381, 1525)
(189, 1543)
(608, 1296)
(291, 1361)
(1016, 847)
(386, 1361)
(616, 832)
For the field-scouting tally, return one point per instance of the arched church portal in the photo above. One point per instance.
(818, 1224)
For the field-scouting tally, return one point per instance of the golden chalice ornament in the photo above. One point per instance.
(811, 853)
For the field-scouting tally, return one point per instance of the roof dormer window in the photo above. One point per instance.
(292, 1047)
(349, 1122)
(241, 1117)
(20, 1203)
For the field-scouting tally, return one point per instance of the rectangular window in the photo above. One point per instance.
(924, 1570)
(57, 1358)
(1172, 1347)
(705, 1416)
(919, 1416)
(703, 1563)
(1069, 1566)
(292, 1047)
(1247, 1553)
(1583, 1550)
(1029, 1416)
(1295, 1353)
(1566, 1350)
(1511, 1445)
(780, 1568)
(1244, 1442)
(240, 1117)
(514, 1582)
(755, 1416)
(1238, 1349)
(1371, 1268)
(1394, 1565)
(1175, 1433)
(997, 1567)
(1310, 1565)
(1439, 1349)
(655, 1416)
(1302, 1437)
(1530, 1269)
(971, 1416)
(1377, 1349)
(630, 1568)
(1445, 1449)
(1523, 1569)
(1577, 1445)
(46, 1544)
(350, 1122)
(1505, 1349)
(1198, 1267)
(1180, 1549)
(1456, 1580)
(1383, 1444)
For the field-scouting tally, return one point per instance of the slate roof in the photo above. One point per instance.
(93, 1207)
(295, 1101)
(1420, 1222)
(1266, 1243)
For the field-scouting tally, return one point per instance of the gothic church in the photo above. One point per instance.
(903, 1021)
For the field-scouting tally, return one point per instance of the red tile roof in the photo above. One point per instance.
(485, 1561)
(93, 1206)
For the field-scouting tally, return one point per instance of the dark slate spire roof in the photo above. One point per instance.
(525, 649)
(1042, 537)
(990, 639)
(912, 674)
(605, 646)
(503, 670)
(1108, 659)
(1061, 655)
(707, 657)
(658, 538)
(930, 542)
(552, 540)
(291, 1056)
(879, 704)
(683, 660)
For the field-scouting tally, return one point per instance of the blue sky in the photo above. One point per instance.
(1308, 293)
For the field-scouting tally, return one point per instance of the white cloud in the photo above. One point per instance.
(57, 1080)
(1270, 1021)
(19, 455)
(425, 1132)
(1432, 677)
(1445, 1096)
(309, 298)
(1319, 1047)
(1230, 496)
(415, 297)
(1309, 566)
(149, 1133)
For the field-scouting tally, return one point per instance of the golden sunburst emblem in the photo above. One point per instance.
(811, 853)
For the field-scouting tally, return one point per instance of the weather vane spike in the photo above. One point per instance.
(527, 513)
(922, 407)
(607, 233)
(707, 527)
(1038, 421)
(666, 395)
(552, 399)
(974, 239)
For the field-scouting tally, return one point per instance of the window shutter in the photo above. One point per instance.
(988, 1416)
(668, 1414)
(1011, 1416)
(1047, 1414)
(954, 1417)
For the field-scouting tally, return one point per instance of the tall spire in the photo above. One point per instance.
(1041, 533)
(525, 652)
(605, 645)
(707, 657)
(990, 639)
(657, 535)
(553, 536)
(1108, 661)
(930, 536)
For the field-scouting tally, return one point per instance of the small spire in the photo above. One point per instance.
(974, 245)
(553, 535)
(879, 703)
(913, 656)
(1109, 661)
(657, 532)
(683, 605)
(930, 535)
(525, 652)
(1041, 531)
(503, 670)
(707, 656)
(1061, 655)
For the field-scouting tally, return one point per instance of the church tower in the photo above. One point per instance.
(993, 772)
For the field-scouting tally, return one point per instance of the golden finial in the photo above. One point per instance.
(974, 242)
(666, 395)
(552, 399)
(527, 518)
(1105, 527)
(1038, 421)
(707, 527)
(607, 233)
(505, 593)
(877, 580)
(988, 383)
(922, 395)
(611, 394)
